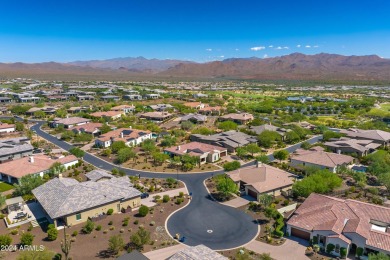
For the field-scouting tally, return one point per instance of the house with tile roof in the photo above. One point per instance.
(13, 171)
(67, 201)
(205, 152)
(199, 252)
(113, 115)
(157, 117)
(131, 137)
(348, 224)
(195, 105)
(378, 136)
(347, 145)
(208, 111)
(239, 118)
(69, 122)
(262, 179)
(90, 128)
(194, 118)
(317, 157)
(15, 148)
(229, 139)
(7, 128)
(124, 108)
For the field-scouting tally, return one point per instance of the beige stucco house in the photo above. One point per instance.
(69, 202)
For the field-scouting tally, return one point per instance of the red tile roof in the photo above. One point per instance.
(343, 217)
(194, 149)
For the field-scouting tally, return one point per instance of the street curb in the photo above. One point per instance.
(169, 216)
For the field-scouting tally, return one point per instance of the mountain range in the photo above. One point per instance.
(295, 66)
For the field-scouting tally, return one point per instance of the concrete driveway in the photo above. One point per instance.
(164, 253)
(292, 249)
(239, 201)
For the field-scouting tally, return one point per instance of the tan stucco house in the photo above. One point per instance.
(69, 202)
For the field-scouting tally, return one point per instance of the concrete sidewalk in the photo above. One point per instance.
(171, 193)
(164, 253)
(292, 249)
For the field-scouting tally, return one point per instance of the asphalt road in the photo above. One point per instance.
(203, 221)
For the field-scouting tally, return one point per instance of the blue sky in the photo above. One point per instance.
(68, 30)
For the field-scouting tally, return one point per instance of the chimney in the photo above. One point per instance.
(60, 176)
(31, 159)
(178, 148)
(121, 134)
(338, 151)
(130, 127)
(258, 164)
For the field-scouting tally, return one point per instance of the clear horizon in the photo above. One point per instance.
(200, 31)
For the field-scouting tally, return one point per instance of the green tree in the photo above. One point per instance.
(281, 155)
(226, 186)
(77, 152)
(105, 129)
(252, 148)
(52, 233)
(262, 158)
(148, 146)
(292, 137)
(5, 240)
(186, 125)
(159, 158)
(26, 239)
(241, 152)
(140, 238)
(19, 126)
(227, 125)
(384, 179)
(231, 166)
(268, 138)
(117, 145)
(83, 138)
(19, 109)
(378, 256)
(107, 152)
(61, 113)
(143, 211)
(321, 182)
(27, 184)
(327, 135)
(67, 135)
(168, 141)
(266, 200)
(35, 254)
(89, 227)
(305, 145)
(125, 154)
(39, 114)
(116, 244)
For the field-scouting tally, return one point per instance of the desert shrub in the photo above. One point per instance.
(330, 247)
(52, 233)
(110, 223)
(110, 211)
(26, 239)
(14, 232)
(98, 227)
(165, 198)
(143, 211)
(75, 233)
(89, 227)
(343, 252)
(136, 222)
(179, 201)
(5, 240)
(181, 194)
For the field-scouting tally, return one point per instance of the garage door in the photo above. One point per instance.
(300, 233)
(252, 193)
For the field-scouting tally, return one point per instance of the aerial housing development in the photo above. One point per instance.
(195, 130)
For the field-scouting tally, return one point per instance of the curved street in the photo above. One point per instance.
(202, 221)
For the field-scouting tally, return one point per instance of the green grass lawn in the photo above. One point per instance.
(5, 186)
